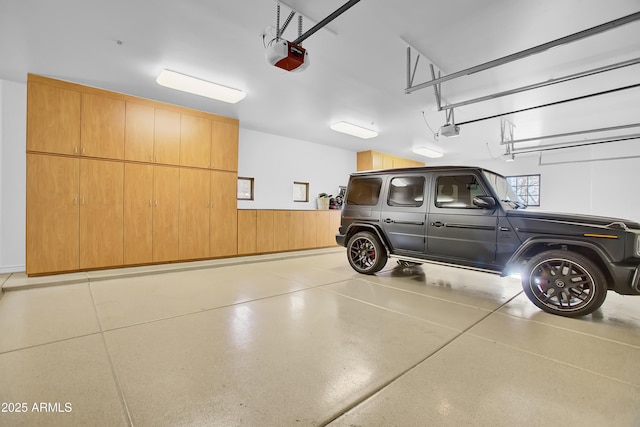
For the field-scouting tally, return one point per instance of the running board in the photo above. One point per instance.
(445, 264)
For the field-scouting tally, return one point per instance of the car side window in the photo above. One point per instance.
(457, 191)
(364, 191)
(406, 191)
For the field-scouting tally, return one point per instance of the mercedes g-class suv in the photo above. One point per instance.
(471, 217)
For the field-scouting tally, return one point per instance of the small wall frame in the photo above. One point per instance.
(300, 191)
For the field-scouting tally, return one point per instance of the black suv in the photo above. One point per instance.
(471, 217)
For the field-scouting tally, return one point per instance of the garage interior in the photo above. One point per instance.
(293, 336)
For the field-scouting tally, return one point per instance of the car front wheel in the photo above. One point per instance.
(366, 253)
(564, 283)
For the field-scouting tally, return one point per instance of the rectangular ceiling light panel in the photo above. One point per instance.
(427, 152)
(189, 84)
(354, 130)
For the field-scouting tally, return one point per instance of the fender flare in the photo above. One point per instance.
(350, 231)
(519, 255)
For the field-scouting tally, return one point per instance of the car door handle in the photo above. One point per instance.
(437, 224)
(388, 221)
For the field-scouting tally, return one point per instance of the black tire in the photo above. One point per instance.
(366, 253)
(564, 283)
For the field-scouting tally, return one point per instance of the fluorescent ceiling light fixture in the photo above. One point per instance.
(189, 84)
(428, 152)
(354, 130)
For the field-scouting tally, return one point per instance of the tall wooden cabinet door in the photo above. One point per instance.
(194, 213)
(195, 141)
(52, 213)
(224, 145)
(101, 213)
(138, 133)
(166, 213)
(138, 213)
(324, 227)
(310, 229)
(53, 119)
(265, 232)
(223, 226)
(102, 126)
(281, 220)
(335, 218)
(247, 232)
(167, 137)
(296, 230)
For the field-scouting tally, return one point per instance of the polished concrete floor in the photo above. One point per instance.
(304, 340)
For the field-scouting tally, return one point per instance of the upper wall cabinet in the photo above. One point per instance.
(139, 132)
(102, 126)
(53, 119)
(195, 141)
(372, 160)
(224, 145)
(166, 140)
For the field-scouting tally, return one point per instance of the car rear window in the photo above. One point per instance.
(364, 191)
(406, 191)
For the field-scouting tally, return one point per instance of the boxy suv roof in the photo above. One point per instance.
(471, 217)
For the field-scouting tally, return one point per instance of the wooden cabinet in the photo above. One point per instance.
(138, 213)
(223, 228)
(139, 132)
(101, 213)
(52, 213)
(102, 126)
(247, 232)
(195, 141)
(372, 160)
(53, 119)
(335, 218)
(118, 180)
(296, 230)
(224, 145)
(265, 231)
(281, 230)
(310, 229)
(194, 213)
(166, 147)
(166, 213)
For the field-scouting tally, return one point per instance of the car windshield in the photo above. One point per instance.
(504, 191)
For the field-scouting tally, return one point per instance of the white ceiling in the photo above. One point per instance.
(358, 63)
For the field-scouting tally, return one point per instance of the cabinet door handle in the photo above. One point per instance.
(82, 201)
(156, 202)
(75, 200)
(84, 150)
(149, 202)
(75, 150)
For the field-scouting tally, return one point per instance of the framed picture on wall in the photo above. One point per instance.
(245, 188)
(300, 191)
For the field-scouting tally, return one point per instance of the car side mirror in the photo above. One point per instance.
(484, 202)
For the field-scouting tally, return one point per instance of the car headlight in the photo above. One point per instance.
(638, 245)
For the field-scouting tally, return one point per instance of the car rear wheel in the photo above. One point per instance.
(366, 253)
(564, 283)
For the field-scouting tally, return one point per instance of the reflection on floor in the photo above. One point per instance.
(307, 341)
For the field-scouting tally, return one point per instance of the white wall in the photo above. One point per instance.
(275, 162)
(13, 124)
(581, 180)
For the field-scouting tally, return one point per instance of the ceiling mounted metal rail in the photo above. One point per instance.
(578, 98)
(561, 135)
(342, 9)
(528, 52)
(540, 85)
(575, 144)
